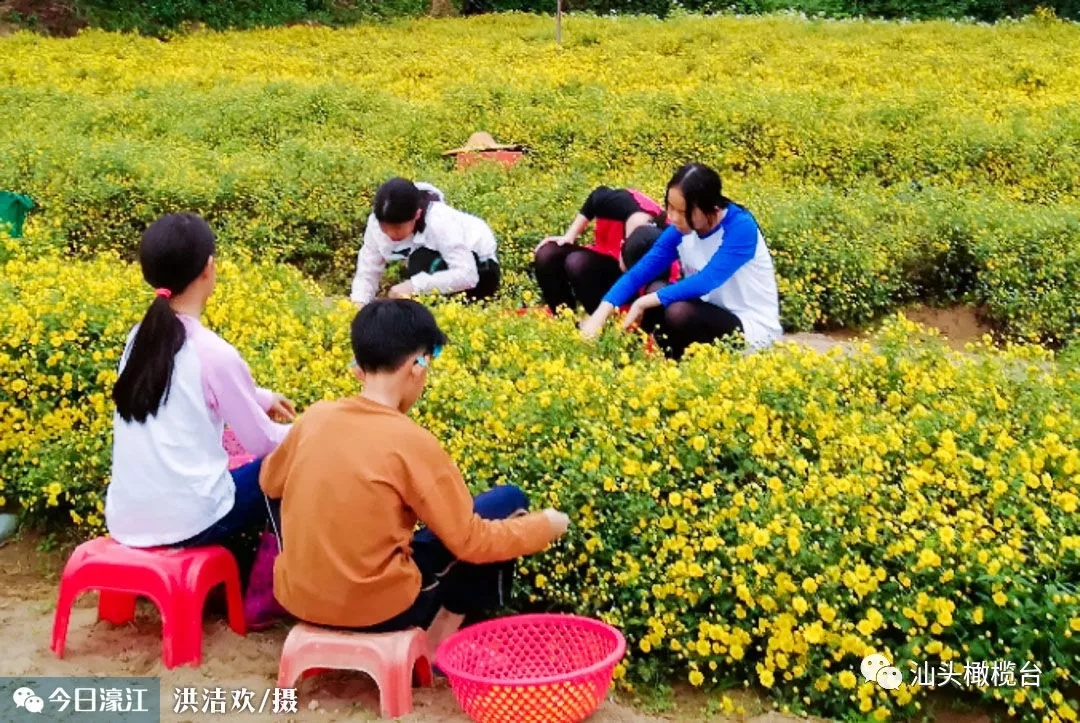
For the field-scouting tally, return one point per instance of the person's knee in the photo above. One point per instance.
(251, 467)
(577, 266)
(414, 265)
(424, 261)
(512, 498)
(248, 495)
(679, 316)
(638, 244)
(499, 503)
(655, 286)
(547, 256)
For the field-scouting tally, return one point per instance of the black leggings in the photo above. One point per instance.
(683, 323)
(424, 260)
(462, 588)
(568, 274)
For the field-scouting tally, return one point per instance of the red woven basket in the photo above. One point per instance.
(532, 668)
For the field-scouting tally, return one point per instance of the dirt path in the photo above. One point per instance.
(957, 325)
(28, 584)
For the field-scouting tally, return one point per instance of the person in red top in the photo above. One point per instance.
(627, 224)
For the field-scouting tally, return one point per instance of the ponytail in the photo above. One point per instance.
(426, 199)
(398, 200)
(175, 251)
(144, 382)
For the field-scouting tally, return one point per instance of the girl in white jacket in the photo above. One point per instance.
(445, 250)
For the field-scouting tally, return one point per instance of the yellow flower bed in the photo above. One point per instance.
(886, 162)
(762, 520)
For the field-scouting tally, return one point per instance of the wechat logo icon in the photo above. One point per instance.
(28, 699)
(878, 669)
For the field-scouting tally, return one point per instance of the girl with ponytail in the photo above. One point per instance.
(179, 384)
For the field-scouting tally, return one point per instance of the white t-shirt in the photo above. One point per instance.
(730, 267)
(170, 475)
(750, 293)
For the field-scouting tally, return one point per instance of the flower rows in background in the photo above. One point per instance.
(797, 510)
(886, 162)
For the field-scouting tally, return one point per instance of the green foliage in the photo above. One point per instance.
(983, 10)
(895, 175)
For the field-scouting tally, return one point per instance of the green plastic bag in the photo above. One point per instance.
(13, 208)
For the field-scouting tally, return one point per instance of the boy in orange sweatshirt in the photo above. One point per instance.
(354, 475)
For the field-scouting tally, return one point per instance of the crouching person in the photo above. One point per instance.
(354, 475)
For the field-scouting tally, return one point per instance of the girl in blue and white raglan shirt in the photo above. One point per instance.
(729, 284)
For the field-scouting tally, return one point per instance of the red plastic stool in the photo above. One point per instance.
(389, 658)
(176, 580)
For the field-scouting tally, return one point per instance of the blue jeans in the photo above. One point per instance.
(238, 531)
(460, 587)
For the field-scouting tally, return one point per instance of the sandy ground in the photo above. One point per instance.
(28, 585)
(958, 326)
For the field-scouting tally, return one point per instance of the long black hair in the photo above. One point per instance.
(174, 251)
(398, 200)
(700, 186)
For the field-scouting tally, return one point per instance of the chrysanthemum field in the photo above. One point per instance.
(759, 520)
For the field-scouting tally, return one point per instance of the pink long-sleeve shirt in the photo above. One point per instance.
(170, 474)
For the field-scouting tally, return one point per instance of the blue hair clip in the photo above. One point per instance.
(422, 361)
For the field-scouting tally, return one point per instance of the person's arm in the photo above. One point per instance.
(437, 494)
(275, 467)
(664, 251)
(603, 202)
(265, 398)
(739, 247)
(577, 227)
(370, 265)
(230, 390)
(451, 242)
(127, 350)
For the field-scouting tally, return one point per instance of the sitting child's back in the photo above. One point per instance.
(355, 476)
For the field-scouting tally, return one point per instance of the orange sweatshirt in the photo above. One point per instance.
(354, 476)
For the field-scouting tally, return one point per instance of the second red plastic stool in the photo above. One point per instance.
(389, 658)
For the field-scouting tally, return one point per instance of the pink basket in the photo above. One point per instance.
(532, 668)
